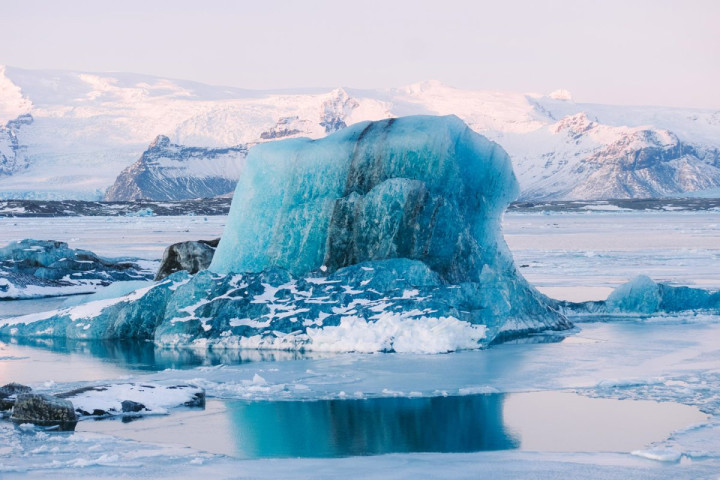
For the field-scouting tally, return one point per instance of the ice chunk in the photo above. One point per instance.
(643, 295)
(384, 236)
(425, 188)
(43, 268)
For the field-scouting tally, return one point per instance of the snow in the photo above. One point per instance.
(158, 399)
(88, 127)
(395, 333)
(12, 101)
(561, 94)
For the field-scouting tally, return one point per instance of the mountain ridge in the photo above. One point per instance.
(89, 128)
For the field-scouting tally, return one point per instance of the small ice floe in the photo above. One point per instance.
(133, 399)
(659, 454)
(63, 410)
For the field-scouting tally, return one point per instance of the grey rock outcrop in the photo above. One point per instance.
(9, 392)
(44, 410)
(12, 154)
(191, 256)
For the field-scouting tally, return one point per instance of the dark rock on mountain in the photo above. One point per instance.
(12, 156)
(336, 109)
(167, 171)
(647, 164)
(285, 127)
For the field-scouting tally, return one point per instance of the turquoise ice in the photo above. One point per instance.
(424, 188)
(385, 236)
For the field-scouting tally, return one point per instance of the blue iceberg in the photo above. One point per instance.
(385, 236)
(642, 295)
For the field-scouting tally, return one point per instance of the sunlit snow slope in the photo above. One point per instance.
(71, 134)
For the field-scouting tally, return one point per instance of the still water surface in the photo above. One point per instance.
(534, 421)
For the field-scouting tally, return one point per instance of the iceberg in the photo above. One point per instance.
(643, 295)
(384, 236)
(424, 188)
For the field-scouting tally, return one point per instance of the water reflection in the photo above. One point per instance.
(335, 428)
(532, 421)
(144, 355)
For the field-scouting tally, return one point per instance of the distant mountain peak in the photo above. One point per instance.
(89, 127)
(576, 124)
(160, 142)
(13, 103)
(561, 94)
(424, 86)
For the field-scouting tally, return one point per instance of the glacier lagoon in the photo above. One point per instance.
(284, 279)
(578, 255)
(384, 236)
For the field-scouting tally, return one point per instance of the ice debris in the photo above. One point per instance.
(133, 398)
(384, 236)
(43, 268)
(644, 296)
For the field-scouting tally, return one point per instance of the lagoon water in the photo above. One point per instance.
(514, 399)
(534, 421)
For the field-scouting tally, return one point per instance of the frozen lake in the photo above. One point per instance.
(672, 360)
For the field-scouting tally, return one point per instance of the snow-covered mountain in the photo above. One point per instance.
(167, 171)
(71, 135)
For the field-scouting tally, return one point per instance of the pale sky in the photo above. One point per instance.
(643, 52)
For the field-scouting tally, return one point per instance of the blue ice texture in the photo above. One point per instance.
(642, 295)
(383, 236)
(41, 268)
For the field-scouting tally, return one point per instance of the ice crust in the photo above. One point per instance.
(384, 236)
(44, 268)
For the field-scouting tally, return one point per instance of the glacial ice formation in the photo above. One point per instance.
(424, 188)
(384, 236)
(44, 268)
(643, 295)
